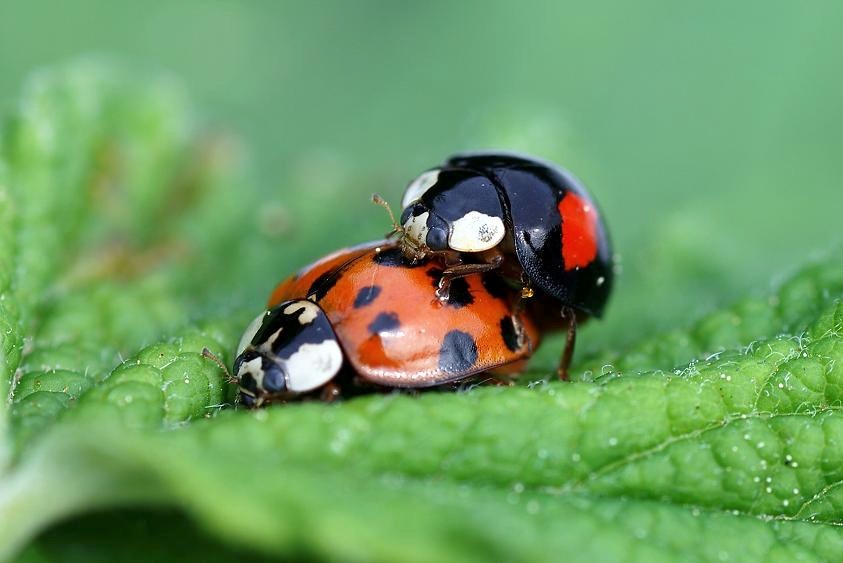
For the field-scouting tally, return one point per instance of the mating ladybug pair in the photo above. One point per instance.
(492, 250)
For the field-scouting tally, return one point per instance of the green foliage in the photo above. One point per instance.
(720, 441)
(788, 311)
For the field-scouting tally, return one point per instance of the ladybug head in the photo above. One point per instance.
(425, 228)
(258, 377)
(287, 350)
(452, 209)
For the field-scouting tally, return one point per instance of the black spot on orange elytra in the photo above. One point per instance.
(458, 352)
(393, 257)
(366, 295)
(323, 284)
(495, 285)
(459, 294)
(384, 322)
(435, 274)
(509, 334)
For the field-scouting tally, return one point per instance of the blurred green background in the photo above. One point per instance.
(710, 134)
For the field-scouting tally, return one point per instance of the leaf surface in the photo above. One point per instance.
(720, 441)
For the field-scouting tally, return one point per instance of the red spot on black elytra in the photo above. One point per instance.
(579, 231)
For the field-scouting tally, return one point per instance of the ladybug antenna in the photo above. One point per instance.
(213, 357)
(408, 245)
(396, 228)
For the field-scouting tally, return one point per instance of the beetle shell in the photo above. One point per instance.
(395, 332)
(553, 227)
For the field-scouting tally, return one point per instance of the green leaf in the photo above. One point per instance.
(737, 458)
(94, 156)
(160, 535)
(721, 441)
(795, 304)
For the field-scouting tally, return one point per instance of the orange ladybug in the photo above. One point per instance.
(369, 317)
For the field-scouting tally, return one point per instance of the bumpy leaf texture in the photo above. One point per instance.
(719, 442)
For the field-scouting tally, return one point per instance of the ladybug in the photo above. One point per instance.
(368, 317)
(529, 219)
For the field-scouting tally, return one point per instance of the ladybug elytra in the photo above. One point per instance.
(529, 220)
(368, 317)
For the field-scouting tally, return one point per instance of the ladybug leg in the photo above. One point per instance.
(500, 381)
(494, 378)
(330, 392)
(518, 307)
(526, 289)
(570, 342)
(505, 375)
(462, 270)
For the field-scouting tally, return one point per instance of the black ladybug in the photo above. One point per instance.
(530, 220)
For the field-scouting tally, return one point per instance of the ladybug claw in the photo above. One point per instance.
(330, 393)
(443, 290)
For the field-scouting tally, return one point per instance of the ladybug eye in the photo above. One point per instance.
(437, 233)
(273, 379)
(437, 239)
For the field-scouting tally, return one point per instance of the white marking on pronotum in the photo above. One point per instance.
(313, 365)
(250, 332)
(418, 186)
(416, 227)
(309, 311)
(475, 232)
